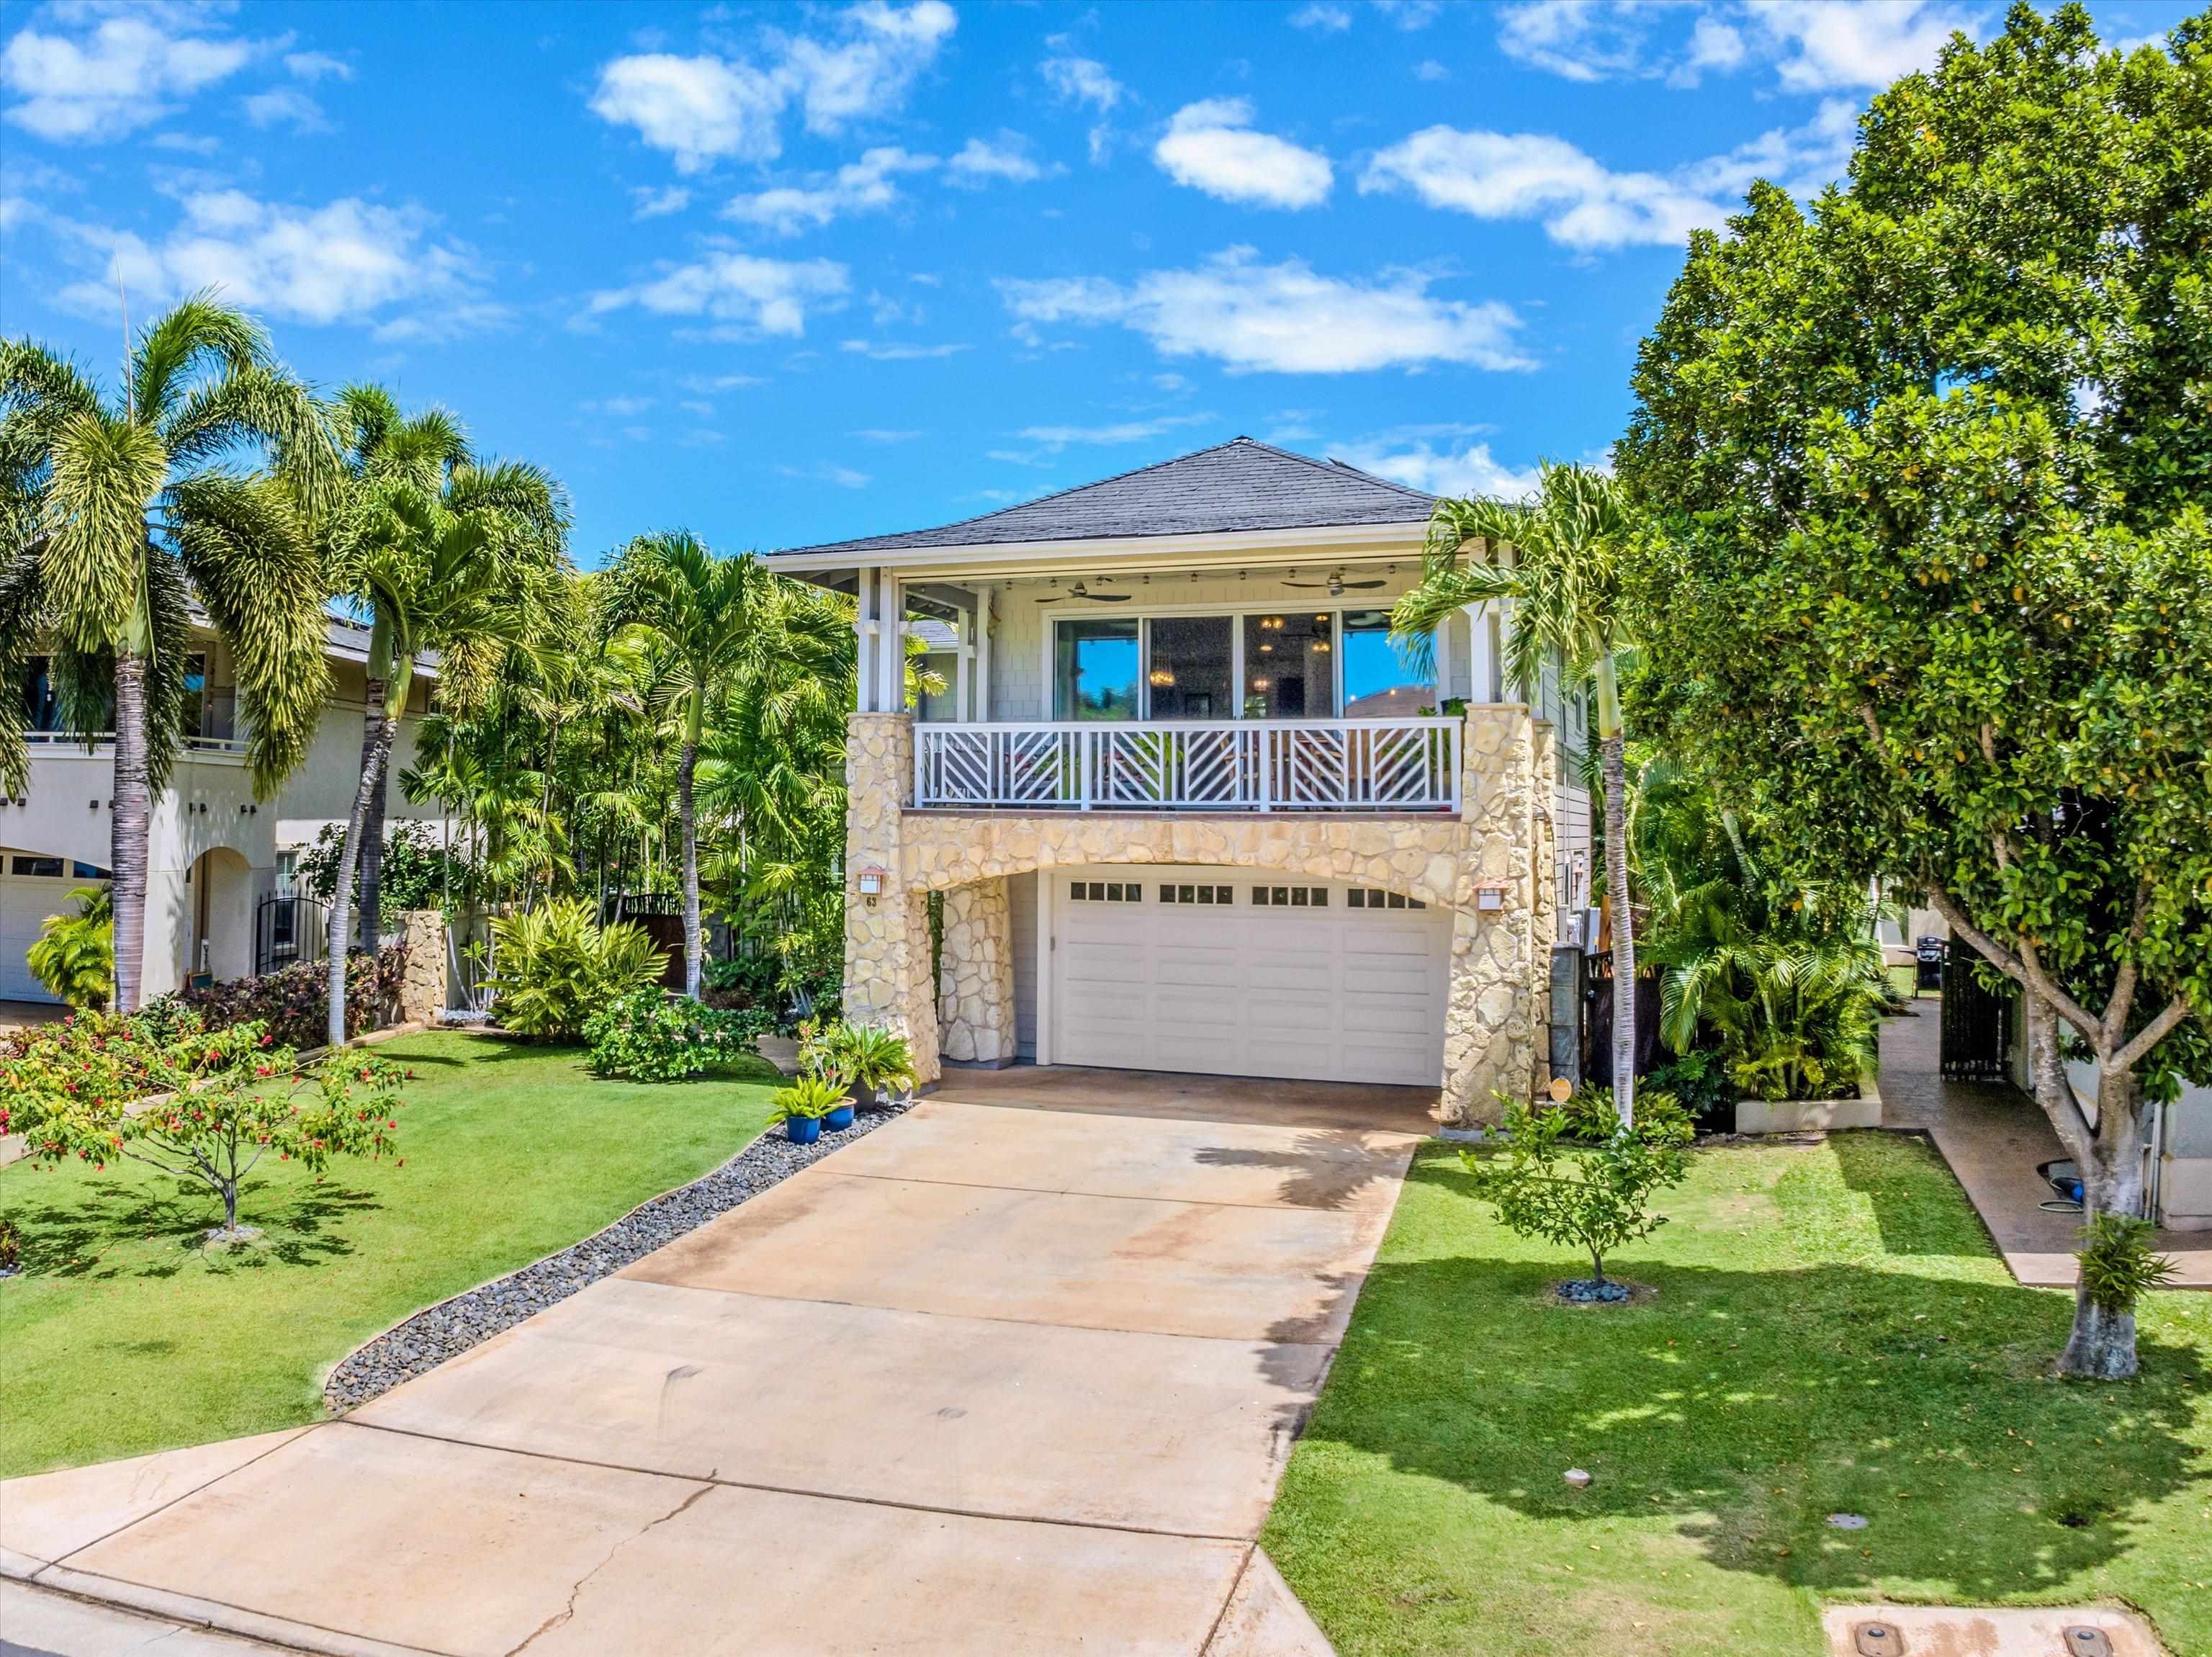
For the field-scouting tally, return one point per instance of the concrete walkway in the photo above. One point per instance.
(1016, 1374)
(1994, 1138)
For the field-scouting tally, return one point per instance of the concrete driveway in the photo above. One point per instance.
(1017, 1374)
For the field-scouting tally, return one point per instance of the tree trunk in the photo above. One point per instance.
(2103, 1344)
(693, 946)
(2109, 1154)
(373, 755)
(372, 848)
(130, 816)
(1616, 767)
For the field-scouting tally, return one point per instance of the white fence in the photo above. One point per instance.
(1319, 764)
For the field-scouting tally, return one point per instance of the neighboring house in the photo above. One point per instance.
(1188, 806)
(215, 853)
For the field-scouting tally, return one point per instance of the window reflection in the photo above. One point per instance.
(1379, 681)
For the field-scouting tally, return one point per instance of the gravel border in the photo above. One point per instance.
(421, 1342)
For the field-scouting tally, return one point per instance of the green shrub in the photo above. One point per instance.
(1700, 1081)
(74, 955)
(807, 1096)
(862, 1057)
(2119, 1265)
(557, 966)
(1592, 1117)
(1595, 1199)
(11, 1245)
(650, 1037)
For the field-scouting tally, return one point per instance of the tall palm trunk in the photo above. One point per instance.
(1613, 763)
(130, 819)
(376, 745)
(372, 837)
(694, 950)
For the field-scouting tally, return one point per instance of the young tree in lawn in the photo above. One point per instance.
(119, 510)
(702, 609)
(447, 558)
(1569, 544)
(1937, 589)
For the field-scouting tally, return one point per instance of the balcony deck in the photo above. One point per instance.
(1390, 767)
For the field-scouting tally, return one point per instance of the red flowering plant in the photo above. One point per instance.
(233, 1097)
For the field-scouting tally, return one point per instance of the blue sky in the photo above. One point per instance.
(791, 273)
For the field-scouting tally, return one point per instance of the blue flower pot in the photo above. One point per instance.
(803, 1130)
(839, 1119)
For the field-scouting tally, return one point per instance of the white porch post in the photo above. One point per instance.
(983, 703)
(1482, 682)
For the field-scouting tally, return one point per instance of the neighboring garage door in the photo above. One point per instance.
(1230, 972)
(31, 888)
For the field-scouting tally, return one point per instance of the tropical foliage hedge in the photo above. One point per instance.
(292, 1002)
(650, 1037)
(557, 966)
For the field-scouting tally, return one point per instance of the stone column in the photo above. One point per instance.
(976, 980)
(1494, 1028)
(423, 991)
(887, 976)
(1544, 889)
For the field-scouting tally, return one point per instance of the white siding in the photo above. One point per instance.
(1022, 911)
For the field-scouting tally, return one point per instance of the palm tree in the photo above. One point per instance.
(1568, 543)
(703, 610)
(443, 556)
(120, 513)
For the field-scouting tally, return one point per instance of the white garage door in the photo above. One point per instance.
(31, 888)
(1229, 972)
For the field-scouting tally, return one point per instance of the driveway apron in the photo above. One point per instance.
(1017, 1372)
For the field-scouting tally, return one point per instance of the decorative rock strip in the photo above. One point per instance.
(451, 1327)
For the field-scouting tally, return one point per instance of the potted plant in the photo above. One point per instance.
(873, 1059)
(801, 1107)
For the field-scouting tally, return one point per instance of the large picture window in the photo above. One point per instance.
(1380, 682)
(1095, 670)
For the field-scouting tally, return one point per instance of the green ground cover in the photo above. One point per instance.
(122, 1336)
(1832, 1332)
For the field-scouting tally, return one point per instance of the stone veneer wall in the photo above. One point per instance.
(423, 991)
(1496, 1030)
(975, 984)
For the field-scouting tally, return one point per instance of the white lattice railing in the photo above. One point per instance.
(1308, 765)
(205, 746)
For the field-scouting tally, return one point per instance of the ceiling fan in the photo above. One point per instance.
(1078, 591)
(1336, 584)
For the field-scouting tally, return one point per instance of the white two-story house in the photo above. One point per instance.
(1188, 806)
(217, 856)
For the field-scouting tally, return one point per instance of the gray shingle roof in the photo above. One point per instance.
(1241, 484)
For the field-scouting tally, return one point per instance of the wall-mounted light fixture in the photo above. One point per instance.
(871, 881)
(1490, 896)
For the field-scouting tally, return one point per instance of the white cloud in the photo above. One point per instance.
(1122, 431)
(286, 104)
(1007, 158)
(899, 350)
(1815, 45)
(1831, 45)
(698, 109)
(865, 186)
(1802, 160)
(1322, 16)
(1281, 319)
(352, 262)
(1210, 146)
(1511, 175)
(707, 108)
(744, 296)
(314, 65)
(883, 435)
(117, 76)
(1467, 470)
(828, 472)
(1410, 14)
(659, 204)
(1082, 81)
(1429, 69)
(866, 72)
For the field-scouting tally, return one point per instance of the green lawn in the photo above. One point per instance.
(1832, 1332)
(122, 1335)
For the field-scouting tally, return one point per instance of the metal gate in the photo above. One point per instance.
(286, 930)
(1597, 1019)
(1977, 1037)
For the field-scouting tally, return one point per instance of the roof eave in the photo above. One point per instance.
(1212, 548)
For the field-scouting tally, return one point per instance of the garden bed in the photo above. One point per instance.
(430, 1337)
